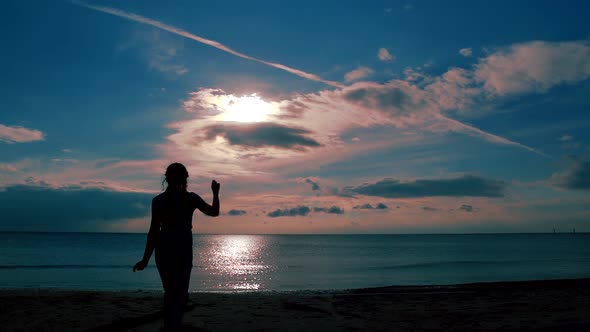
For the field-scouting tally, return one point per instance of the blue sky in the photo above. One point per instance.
(458, 116)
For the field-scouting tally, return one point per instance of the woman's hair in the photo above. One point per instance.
(176, 175)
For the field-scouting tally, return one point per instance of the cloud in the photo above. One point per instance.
(253, 135)
(534, 67)
(466, 52)
(568, 143)
(358, 74)
(415, 75)
(522, 68)
(212, 43)
(406, 104)
(313, 124)
(162, 54)
(384, 55)
(236, 212)
(367, 206)
(8, 167)
(314, 185)
(381, 206)
(308, 126)
(65, 160)
(332, 210)
(18, 134)
(571, 145)
(467, 185)
(292, 212)
(312, 181)
(41, 207)
(576, 176)
(395, 99)
(466, 208)
(455, 89)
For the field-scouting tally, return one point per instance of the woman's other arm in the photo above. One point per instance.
(152, 238)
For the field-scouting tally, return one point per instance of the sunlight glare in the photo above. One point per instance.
(246, 109)
(239, 260)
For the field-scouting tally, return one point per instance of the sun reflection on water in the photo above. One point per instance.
(239, 260)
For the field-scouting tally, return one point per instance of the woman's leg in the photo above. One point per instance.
(175, 267)
(167, 277)
(182, 275)
(179, 294)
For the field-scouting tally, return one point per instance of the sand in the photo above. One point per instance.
(555, 305)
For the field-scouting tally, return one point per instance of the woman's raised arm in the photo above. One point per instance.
(213, 209)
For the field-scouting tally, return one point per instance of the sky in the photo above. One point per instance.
(316, 117)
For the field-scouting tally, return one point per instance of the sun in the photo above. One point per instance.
(247, 109)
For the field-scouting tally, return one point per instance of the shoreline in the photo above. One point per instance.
(538, 305)
(486, 284)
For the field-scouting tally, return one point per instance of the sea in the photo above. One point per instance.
(233, 263)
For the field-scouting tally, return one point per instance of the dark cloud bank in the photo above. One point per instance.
(304, 211)
(314, 185)
(236, 212)
(331, 210)
(395, 100)
(43, 208)
(466, 208)
(258, 135)
(367, 206)
(467, 185)
(576, 176)
(296, 211)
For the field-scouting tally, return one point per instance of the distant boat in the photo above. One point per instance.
(574, 231)
(554, 231)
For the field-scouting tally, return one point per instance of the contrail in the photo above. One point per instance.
(489, 136)
(186, 34)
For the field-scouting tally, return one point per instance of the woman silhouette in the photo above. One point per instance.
(170, 235)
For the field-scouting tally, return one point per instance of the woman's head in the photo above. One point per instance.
(176, 175)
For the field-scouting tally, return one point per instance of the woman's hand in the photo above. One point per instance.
(139, 266)
(215, 187)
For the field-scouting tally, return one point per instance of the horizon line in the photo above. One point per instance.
(466, 233)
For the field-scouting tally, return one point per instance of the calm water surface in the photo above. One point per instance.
(292, 262)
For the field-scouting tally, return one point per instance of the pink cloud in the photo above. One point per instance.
(453, 90)
(358, 74)
(415, 75)
(466, 52)
(322, 117)
(534, 67)
(7, 167)
(18, 134)
(119, 175)
(384, 55)
(565, 138)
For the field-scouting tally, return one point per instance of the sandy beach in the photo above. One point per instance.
(553, 305)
